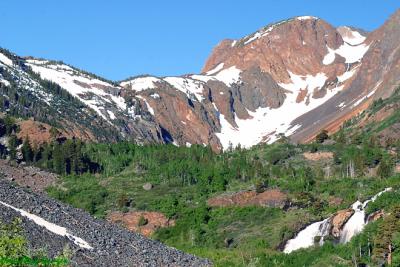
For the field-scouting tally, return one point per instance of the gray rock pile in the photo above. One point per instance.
(111, 244)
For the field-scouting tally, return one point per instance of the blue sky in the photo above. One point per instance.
(117, 39)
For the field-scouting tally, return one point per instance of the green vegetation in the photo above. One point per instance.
(14, 250)
(184, 179)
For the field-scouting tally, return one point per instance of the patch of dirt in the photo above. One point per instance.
(27, 176)
(130, 220)
(37, 132)
(397, 168)
(318, 155)
(269, 198)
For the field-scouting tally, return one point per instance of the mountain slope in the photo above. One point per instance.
(93, 242)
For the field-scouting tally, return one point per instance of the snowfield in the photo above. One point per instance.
(267, 123)
(80, 86)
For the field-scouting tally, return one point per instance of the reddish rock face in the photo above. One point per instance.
(339, 220)
(295, 45)
(377, 76)
(376, 216)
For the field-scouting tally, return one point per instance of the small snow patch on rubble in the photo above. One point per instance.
(351, 53)
(141, 83)
(54, 228)
(229, 76)
(368, 95)
(350, 36)
(5, 82)
(111, 114)
(330, 57)
(306, 18)
(155, 95)
(187, 86)
(6, 60)
(341, 105)
(149, 108)
(216, 69)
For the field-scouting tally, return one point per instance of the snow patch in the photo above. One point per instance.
(6, 60)
(306, 18)
(78, 84)
(351, 53)
(149, 108)
(330, 57)
(348, 74)
(111, 114)
(359, 101)
(5, 82)
(54, 228)
(229, 76)
(142, 83)
(187, 86)
(155, 96)
(351, 37)
(219, 67)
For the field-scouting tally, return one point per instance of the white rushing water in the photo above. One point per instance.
(356, 223)
(54, 228)
(306, 237)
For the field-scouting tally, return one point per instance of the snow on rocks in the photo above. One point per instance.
(54, 228)
(351, 53)
(350, 36)
(5, 60)
(306, 18)
(330, 57)
(265, 123)
(218, 68)
(149, 108)
(141, 83)
(87, 89)
(228, 76)
(5, 82)
(187, 86)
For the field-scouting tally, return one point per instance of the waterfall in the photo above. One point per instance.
(357, 222)
(307, 237)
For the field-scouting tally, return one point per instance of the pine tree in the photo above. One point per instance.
(27, 151)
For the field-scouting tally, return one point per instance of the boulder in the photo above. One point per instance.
(339, 220)
(147, 186)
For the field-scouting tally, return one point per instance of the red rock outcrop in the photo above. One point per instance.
(130, 220)
(269, 198)
(339, 220)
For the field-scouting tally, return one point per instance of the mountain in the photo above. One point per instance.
(295, 77)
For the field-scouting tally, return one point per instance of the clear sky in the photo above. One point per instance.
(121, 38)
